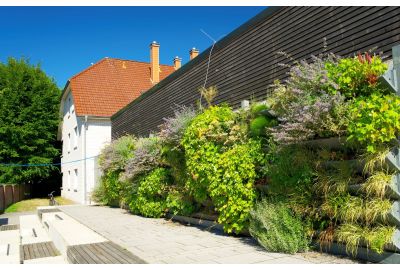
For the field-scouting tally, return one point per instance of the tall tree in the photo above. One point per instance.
(29, 103)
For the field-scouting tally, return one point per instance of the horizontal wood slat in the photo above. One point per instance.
(245, 63)
(101, 253)
(38, 250)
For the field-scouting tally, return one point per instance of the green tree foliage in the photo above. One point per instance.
(29, 103)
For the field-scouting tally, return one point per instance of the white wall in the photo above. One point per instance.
(98, 133)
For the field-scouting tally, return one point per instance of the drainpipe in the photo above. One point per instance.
(84, 161)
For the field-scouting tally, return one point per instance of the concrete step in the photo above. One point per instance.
(31, 230)
(9, 247)
(66, 232)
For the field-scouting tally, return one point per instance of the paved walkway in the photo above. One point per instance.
(163, 241)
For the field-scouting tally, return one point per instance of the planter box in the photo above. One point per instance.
(362, 254)
(206, 224)
(393, 159)
(332, 143)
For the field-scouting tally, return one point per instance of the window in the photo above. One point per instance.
(76, 179)
(75, 137)
(69, 142)
(69, 180)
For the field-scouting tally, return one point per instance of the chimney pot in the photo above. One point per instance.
(193, 53)
(177, 63)
(155, 62)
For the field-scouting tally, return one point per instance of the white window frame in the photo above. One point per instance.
(76, 137)
(75, 179)
(69, 143)
(69, 180)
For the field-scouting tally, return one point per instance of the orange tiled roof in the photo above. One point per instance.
(110, 84)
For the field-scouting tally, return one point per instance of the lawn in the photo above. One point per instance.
(32, 204)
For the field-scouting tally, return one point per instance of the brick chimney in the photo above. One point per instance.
(155, 62)
(193, 53)
(177, 63)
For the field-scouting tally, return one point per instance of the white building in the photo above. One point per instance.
(89, 99)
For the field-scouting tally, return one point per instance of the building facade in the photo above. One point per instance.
(89, 99)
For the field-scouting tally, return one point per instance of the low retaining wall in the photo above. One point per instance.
(12, 193)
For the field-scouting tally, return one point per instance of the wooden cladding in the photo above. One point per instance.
(246, 62)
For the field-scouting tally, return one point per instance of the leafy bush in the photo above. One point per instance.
(112, 161)
(150, 197)
(178, 202)
(108, 190)
(277, 229)
(375, 120)
(260, 120)
(222, 162)
(357, 76)
(291, 171)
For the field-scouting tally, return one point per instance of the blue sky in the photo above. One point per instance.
(65, 40)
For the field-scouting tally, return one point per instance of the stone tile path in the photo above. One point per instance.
(163, 241)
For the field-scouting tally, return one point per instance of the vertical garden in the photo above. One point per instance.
(307, 165)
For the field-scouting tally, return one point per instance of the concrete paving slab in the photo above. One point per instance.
(162, 241)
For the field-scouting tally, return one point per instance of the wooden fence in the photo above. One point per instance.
(12, 193)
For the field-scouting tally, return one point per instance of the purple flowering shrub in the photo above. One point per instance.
(146, 157)
(303, 106)
(112, 162)
(114, 156)
(171, 131)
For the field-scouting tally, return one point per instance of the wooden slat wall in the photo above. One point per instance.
(246, 62)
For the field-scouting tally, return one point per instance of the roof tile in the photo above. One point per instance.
(110, 84)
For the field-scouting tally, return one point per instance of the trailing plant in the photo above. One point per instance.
(375, 120)
(375, 238)
(222, 162)
(375, 161)
(378, 237)
(376, 184)
(377, 210)
(277, 228)
(357, 76)
(150, 198)
(350, 235)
